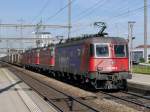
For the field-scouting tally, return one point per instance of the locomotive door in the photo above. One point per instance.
(84, 58)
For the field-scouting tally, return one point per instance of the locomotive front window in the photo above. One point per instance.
(102, 50)
(120, 50)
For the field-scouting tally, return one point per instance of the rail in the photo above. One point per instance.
(70, 98)
(130, 101)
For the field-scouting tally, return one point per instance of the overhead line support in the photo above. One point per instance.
(69, 18)
(145, 30)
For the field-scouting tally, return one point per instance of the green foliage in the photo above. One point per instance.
(142, 60)
(141, 69)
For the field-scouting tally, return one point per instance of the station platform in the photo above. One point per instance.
(16, 96)
(140, 83)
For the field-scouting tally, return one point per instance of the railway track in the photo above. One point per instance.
(61, 101)
(131, 99)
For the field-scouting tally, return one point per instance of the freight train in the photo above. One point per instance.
(100, 61)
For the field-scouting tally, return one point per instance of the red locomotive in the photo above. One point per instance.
(101, 61)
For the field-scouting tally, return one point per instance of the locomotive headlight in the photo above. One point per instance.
(99, 68)
(114, 68)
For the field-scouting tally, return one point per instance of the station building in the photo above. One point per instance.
(138, 53)
(46, 37)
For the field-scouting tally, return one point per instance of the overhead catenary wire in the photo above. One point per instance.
(88, 11)
(41, 10)
(93, 7)
(125, 7)
(134, 10)
(124, 13)
(139, 13)
(50, 17)
(83, 14)
(39, 13)
(59, 11)
(89, 8)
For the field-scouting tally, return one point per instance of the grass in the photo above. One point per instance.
(141, 69)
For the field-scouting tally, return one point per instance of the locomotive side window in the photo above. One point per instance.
(91, 50)
(120, 50)
(102, 50)
(127, 51)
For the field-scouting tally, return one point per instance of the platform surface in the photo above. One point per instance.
(16, 96)
(140, 79)
(140, 84)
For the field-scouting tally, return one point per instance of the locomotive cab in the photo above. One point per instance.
(108, 57)
(109, 65)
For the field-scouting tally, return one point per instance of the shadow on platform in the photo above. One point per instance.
(8, 87)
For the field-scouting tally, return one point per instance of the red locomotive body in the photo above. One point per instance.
(34, 56)
(47, 57)
(30, 58)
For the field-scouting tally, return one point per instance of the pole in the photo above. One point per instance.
(0, 27)
(69, 18)
(38, 27)
(145, 30)
(8, 51)
(130, 37)
(21, 32)
(129, 45)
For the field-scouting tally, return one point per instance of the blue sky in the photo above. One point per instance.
(116, 14)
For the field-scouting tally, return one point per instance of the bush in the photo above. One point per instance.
(142, 60)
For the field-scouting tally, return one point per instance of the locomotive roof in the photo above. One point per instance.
(114, 40)
(39, 48)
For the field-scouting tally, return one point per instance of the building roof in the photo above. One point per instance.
(142, 46)
(43, 33)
